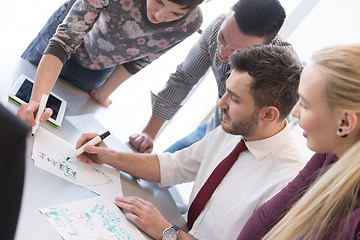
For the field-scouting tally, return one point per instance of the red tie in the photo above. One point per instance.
(212, 182)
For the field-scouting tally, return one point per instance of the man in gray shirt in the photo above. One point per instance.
(249, 22)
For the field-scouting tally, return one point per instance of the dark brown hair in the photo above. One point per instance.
(275, 71)
(260, 18)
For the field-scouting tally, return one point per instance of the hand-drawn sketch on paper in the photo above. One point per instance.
(50, 153)
(91, 219)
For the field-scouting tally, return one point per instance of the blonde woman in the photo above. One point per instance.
(322, 202)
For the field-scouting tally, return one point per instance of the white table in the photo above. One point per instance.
(43, 189)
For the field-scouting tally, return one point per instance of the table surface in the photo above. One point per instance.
(43, 189)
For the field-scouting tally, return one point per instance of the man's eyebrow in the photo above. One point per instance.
(231, 92)
(222, 37)
(226, 44)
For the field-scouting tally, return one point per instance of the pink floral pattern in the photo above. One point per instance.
(90, 17)
(105, 60)
(105, 33)
(162, 43)
(169, 29)
(96, 3)
(118, 58)
(135, 14)
(132, 51)
(141, 41)
(126, 5)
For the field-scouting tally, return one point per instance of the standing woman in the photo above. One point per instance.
(322, 202)
(98, 44)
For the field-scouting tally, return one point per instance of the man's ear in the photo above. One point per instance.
(270, 114)
(347, 123)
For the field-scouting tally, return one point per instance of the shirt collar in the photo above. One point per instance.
(264, 147)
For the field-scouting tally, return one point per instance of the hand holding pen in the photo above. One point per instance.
(90, 139)
(88, 152)
(40, 111)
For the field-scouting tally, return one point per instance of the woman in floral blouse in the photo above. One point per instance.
(98, 44)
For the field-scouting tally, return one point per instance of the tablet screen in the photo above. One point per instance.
(24, 94)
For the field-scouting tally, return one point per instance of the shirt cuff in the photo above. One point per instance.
(55, 49)
(131, 68)
(166, 176)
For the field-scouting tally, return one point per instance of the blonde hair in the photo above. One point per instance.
(340, 66)
(334, 196)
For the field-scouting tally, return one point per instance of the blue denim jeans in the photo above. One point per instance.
(83, 78)
(193, 137)
(186, 141)
(35, 50)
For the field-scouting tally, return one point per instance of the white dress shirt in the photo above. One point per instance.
(258, 174)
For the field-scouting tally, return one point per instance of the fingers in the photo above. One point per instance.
(46, 114)
(142, 142)
(133, 204)
(21, 113)
(85, 138)
(85, 158)
(93, 149)
(145, 215)
(91, 154)
(139, 208)
(146, 147)
(133, 199)
(28, 111)
(133, 137)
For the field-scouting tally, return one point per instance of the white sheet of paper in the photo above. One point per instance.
(87, 123)
(94, 218)
(50, 153)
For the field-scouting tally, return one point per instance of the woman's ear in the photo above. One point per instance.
(347, 123)
(270, 114)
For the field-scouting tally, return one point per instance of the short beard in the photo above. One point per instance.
(246, 127)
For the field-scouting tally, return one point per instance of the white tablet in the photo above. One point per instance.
(21, 93)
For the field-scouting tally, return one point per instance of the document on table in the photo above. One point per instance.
(94, 218)
(87, 123)
(50, 153)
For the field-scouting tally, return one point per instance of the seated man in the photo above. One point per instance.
(249, 22)
(260, 93)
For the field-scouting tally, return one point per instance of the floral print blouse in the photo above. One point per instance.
(106, 33)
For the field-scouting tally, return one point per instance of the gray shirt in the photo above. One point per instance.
(202, 57)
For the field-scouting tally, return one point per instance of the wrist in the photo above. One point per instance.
(149, 134)
(153, 126)
(171, 233)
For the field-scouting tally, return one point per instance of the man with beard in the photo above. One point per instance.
(260, 93)
(248, 23)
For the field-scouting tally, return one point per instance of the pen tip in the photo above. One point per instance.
(67, 158)
(32, 134)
